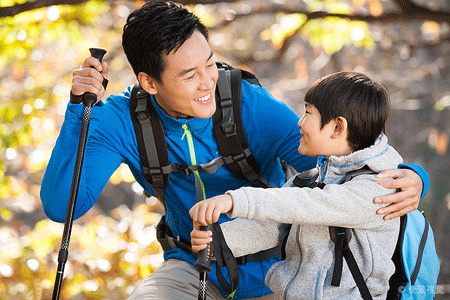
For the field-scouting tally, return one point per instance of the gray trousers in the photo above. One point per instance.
(176, 280)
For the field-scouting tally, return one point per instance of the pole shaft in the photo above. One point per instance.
(63, 252)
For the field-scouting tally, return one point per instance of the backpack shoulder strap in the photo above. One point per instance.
(363, 171)
(228, 127)
(148, 128)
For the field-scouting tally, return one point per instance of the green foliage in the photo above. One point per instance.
(36, 55)
(333, 33)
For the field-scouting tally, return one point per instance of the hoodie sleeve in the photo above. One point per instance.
(346, 205)
(259, 236)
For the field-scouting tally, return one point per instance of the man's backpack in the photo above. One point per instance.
(232, 143)
(228, 130)
(415, 258)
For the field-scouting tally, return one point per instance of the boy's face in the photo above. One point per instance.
(315, 141)
(188, 82)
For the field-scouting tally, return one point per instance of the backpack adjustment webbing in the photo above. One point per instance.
(226, 102)
(150, 156)
(230, 137)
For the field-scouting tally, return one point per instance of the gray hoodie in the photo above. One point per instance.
(307, 271)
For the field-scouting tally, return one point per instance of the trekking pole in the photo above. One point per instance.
(203, 265)
(89, 100)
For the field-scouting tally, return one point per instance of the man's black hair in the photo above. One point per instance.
(357, 98)
(155, 30)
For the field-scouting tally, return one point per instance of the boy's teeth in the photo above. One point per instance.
(204, 98)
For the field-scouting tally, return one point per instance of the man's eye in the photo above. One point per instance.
(190, 77)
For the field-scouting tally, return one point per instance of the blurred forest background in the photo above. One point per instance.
(288, 44)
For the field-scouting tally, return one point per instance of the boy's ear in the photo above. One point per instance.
(147, 83)
(340, 127)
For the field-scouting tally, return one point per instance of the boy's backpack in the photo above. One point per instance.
(232, 143)
(415, 258)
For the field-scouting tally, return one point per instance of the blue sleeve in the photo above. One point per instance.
(422, 173)
(106, 147)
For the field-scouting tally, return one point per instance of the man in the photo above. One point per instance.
(168, 49)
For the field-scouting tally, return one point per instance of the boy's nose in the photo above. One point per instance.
(300, 122)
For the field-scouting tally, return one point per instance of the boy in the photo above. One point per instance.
(342, 126)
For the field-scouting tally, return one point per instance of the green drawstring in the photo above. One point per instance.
(192, 153)
(198, 181)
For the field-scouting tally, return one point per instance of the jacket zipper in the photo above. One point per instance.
(188, 134)
(297, 236)
(323, 168)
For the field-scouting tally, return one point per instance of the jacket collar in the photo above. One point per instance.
(174, 124)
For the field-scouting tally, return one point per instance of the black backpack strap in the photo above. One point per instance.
(341, 237)
(148, 129)
(228, 127)
(354, 269)
(225, 258)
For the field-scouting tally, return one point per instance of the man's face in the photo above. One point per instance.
(188, 82)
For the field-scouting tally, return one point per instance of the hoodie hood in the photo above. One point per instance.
(378, 157)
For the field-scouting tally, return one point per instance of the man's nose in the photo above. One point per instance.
(207, 81)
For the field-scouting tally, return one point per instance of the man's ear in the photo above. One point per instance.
(147, 83)
(340, 127)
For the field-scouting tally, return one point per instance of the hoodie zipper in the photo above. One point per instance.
(188, 134)
(323, 164)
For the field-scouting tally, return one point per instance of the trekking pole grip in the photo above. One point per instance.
(203, 263)
(89, 99)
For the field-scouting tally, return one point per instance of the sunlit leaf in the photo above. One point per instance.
(375, 8)
(430, 27)
(5, 214)
(358, 3)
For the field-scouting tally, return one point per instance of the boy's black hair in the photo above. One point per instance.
(155, 30)
(354, 96)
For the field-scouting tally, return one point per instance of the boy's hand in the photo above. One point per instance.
(89, 79)
(200, 238)
(208, 211)
(404, 201)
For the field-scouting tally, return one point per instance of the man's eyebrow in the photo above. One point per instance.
(183, 72)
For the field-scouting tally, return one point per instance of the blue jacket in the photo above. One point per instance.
(271, 130)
